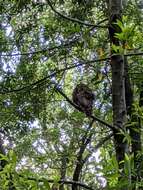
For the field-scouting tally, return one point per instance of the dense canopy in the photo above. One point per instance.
(47, 140)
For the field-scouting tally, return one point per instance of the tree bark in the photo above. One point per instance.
(128, 89)
(118, 91)
(118, 102)
(118, 84)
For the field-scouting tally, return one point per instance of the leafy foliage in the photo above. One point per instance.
(48, 47)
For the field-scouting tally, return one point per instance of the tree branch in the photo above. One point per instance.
(74, 19)
(74, 105)
(4, 91)
(65, 44)
(86, 139)
(133, 54)
(97, 146)
(70, 182)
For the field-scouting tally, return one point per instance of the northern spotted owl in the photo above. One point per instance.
(83, 97)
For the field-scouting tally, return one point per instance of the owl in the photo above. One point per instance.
(83, 97)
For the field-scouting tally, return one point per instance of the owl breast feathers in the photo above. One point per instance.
(83, 97)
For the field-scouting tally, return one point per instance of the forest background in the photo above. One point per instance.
(47, 47)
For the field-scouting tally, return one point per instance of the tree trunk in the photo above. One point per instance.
(135, 133)
(118, 84)
(86, 139)
(128, 89)
(135, 130)
(64, 161)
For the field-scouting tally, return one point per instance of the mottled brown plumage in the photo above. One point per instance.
(83, 97)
